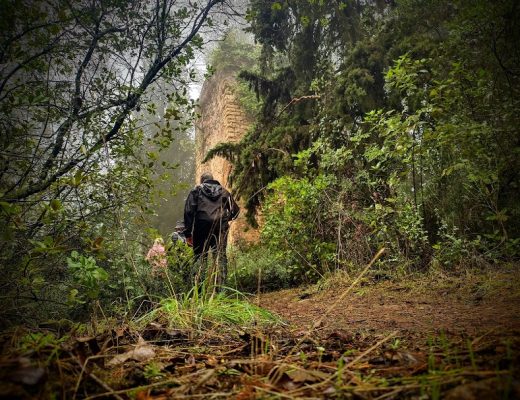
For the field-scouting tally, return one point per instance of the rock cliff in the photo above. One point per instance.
(222, 119)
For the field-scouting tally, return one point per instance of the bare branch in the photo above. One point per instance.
(123, 106)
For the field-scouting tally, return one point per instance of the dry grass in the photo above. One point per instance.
(214, 346)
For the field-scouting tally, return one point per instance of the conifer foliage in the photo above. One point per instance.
(398, 119)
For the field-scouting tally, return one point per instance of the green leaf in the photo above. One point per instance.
(276, 6)
(76, 181)
(56, 204)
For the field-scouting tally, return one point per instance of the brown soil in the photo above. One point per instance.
(471, 305)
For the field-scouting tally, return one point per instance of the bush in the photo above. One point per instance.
(256, 265)
(297, 230)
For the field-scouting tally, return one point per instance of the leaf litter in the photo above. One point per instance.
(312, 357)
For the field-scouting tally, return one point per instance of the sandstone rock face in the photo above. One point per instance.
(222, 120)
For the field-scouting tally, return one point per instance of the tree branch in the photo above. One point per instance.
(128, 106)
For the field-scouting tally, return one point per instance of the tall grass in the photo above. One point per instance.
(202, 309)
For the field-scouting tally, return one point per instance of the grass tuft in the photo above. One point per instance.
(200, 309)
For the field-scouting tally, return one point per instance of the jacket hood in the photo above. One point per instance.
(212, 189)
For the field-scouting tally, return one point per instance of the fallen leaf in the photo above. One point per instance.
(300, 375)
(140, 353)
(84, 339)
(175, 333)
(329, 390)
(211, 361)
(27, 375)
(143, 395)
(119, 332)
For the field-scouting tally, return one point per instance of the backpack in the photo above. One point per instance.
(214, 207)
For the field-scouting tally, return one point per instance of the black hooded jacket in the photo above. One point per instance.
(209, 202)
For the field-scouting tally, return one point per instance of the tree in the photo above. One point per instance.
(406, 106)
(73, 74)
(79, 90)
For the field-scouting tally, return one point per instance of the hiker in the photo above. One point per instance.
(207, 212)
(178, 233)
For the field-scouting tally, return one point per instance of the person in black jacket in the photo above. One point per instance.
(207, 212)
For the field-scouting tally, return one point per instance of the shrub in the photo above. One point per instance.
(297, 230)
(256, 265)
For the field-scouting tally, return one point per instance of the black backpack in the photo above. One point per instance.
(214, 209)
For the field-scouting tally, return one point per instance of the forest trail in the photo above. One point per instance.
(428, 337)
(471, 305)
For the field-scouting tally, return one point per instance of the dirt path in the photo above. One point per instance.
(465, 305)
(353, 354)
